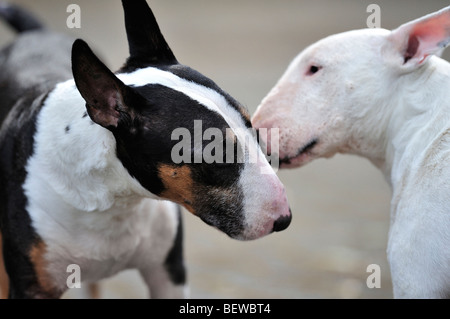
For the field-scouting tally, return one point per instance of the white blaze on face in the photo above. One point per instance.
(265, 199)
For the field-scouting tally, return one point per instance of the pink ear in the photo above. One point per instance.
(423, 37)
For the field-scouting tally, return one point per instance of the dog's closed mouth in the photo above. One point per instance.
(304, 150)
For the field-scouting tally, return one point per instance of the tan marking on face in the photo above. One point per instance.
(37, 257)
(178, 183)
(4, 279)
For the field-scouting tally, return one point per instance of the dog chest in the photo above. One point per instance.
(104, 243)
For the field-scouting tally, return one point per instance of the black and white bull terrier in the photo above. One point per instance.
(84, 160)
(384, 95)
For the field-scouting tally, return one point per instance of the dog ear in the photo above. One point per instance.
(419, 39)
(146, 43)
(103, 92)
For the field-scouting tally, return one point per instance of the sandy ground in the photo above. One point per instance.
(340, 206)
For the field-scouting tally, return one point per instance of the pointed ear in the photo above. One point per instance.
(419, 39)
(101, 89)
(146, 43)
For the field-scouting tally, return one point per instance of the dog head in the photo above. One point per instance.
(179, 135)
(337, 94)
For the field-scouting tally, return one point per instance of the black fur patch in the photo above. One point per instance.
(16, 147)
(144, 143)
(26, 77)
(145, 40)
(175, 261)
(18, 18)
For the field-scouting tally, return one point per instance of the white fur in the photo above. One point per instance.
(365, 100)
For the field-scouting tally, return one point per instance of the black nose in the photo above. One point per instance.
(282, 223)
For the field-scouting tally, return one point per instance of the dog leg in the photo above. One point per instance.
(89, 290)
(160, 284)
(4, 280)
(418, 259)
(94, 290)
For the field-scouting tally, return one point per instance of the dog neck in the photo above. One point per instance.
(401, 123)
(75, 159)
(418, 111)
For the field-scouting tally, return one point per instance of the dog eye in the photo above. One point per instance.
(313, 69)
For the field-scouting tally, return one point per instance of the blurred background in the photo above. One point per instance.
(340, 206)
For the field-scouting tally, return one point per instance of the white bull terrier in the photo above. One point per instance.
(384, 95)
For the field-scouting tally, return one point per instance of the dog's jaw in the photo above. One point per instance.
(304, 155)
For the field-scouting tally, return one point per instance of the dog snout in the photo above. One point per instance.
(266, 204)
(281, 212)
